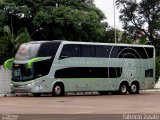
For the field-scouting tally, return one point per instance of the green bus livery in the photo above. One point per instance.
(58, 67)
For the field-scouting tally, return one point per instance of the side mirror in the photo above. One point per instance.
(8, 64)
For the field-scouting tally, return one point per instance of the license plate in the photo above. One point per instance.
(19, 90)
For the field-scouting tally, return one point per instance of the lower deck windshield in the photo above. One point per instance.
(20, 72)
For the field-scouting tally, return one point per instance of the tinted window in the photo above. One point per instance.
(150, 52)
(48, 49)
(149, 73)
(114, 51)
(106, 51)
(21, 73)
(103, 51)
(141, 52)
(88, 50)
(144, 53)
(126, 52)
(42, 68)
(75, 50)
(89, 72)
(131, 52)
(71, 50)
(34, 50)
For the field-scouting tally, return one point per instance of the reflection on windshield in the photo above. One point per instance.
(27, 51)
(30, 69)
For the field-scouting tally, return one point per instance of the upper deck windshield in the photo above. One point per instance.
(27, 51)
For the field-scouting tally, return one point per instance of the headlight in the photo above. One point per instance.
(29, 85)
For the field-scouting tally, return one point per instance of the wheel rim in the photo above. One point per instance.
(57, 90)
(134, 88)
(123, 89)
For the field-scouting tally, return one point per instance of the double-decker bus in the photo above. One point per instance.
(58, 67)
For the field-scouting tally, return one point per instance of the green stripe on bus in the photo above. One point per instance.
(82, 78)
(30, 62)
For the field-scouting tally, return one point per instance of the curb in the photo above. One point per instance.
(152, 90)
(7, 95)
(13, 95)
(25, 94)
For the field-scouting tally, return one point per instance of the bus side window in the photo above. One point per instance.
(48, 49)
(114, 52)
(150, 52)
(88, 50)
(127, 52)
(70, 50)
(102, 51)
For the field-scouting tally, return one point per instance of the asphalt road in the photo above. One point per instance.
(144, 103)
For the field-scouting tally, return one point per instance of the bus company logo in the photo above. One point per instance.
(129, 68)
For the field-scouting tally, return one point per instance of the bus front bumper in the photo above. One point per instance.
(29, 88)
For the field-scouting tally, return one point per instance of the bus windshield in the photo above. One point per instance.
(20, 72)
(27, 51)
(41, 67)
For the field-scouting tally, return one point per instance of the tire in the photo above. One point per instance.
(58, 90)
(134, 88)
(37, 94)
(123, 88)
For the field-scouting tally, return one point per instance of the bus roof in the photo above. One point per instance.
(114, 44)
(43, 41)
(90, 43)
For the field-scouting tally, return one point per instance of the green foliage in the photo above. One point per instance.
(157, 67)
(126, 38)
(110, 35)
(143, 40)
(76, 20)
(135, 16)
(9, 42)
(157, 62)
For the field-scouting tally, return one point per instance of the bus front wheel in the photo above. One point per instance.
(134, 88)
(58, 90)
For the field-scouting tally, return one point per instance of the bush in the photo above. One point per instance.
(157, 67)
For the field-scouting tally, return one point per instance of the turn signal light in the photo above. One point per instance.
(16, 65)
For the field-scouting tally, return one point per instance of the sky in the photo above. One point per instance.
(107, 7)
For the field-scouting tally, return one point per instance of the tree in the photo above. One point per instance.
(110, 35)
(9, 42)
(141, 18)
(73, 20)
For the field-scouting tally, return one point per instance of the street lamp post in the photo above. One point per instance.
(115, 36)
